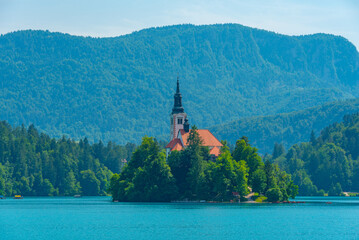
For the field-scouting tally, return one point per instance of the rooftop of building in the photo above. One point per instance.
(208, 140)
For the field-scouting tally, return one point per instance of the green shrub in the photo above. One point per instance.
(274, 195)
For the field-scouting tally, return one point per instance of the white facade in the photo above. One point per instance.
(177, 121)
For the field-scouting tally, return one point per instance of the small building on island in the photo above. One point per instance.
(180, 130)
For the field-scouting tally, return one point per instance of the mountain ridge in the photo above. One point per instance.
(121, 88)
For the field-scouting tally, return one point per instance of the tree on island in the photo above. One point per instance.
(223, 177)
(191, 175)
(259, 181)
(245, 152)
(147, 178)
(188, 166)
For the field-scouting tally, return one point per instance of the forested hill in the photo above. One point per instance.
(32, 163)
(285, 128)
(122, 88)
(329, 162)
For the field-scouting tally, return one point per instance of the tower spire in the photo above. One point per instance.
(177, 107)
(178, 116)
(177, 90)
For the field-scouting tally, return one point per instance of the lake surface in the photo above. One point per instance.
(98, 218)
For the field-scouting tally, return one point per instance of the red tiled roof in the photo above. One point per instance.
(177, 147)
(215, 151)
(207, 138)
(173, 143)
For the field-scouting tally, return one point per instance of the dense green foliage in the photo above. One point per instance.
(121, 88)
(191, 175)
(32, 163)
(329, 163)
(286, 128)
(147, 177)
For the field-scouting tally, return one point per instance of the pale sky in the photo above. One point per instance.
(117, 17)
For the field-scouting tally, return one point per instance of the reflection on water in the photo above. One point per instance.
(99, 218)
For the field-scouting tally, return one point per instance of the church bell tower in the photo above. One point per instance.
(178, 116)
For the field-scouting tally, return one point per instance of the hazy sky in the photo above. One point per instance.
(118, 17)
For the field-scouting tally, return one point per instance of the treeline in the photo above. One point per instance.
(192, 175)
(328, 164)
(32, 163)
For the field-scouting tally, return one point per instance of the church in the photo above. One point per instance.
(180, 130)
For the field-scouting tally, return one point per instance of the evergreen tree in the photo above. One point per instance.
(278, 150)
(313, 139)
(192, 155)
(71, 186)
(179, 167)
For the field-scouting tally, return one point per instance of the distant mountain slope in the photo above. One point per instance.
(286, 128)
(122, 88)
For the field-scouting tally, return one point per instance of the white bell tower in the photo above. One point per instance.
(178, 115)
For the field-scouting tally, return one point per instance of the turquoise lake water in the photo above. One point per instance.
(99, 218)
